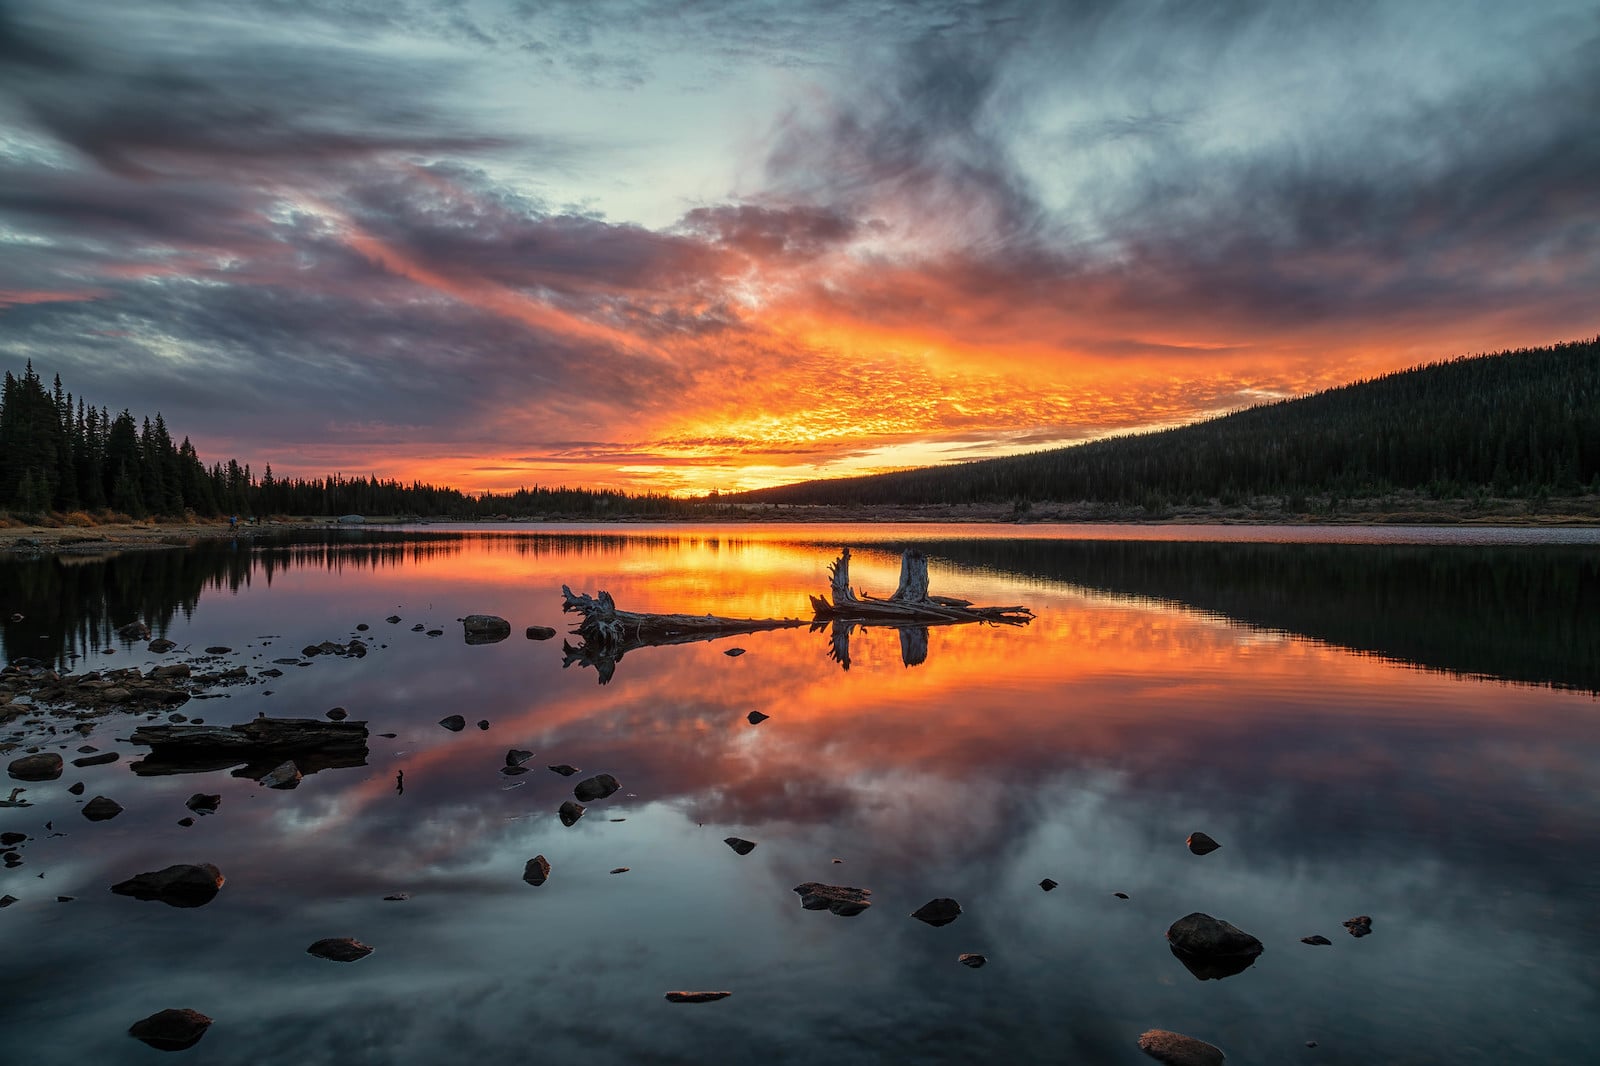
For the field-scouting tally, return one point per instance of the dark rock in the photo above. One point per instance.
(540, 632)
(1210, 948)
(1047, 884)
(418, 628)
(170, 671)
(65, 899)
(756, 717)
(219, 649)
(96, 760)
(483, 723)
(570, 812)
(177, 719)
(564, 770)
(398, 897)
(1316, 940)
(45, 766)
(620, 870)
(843, 901)
(8, 839)
(388, 736)
(76, 788)
(941, 911)
(284, 775)
(743, 847)
(177, 886)
(734, 653)
(1359, 927)
(339, 949)
(101, 809)
(393, 619)
(537, 872)
(337, 714)
(6, 901)
(1120, 895)
(597, 787)
(171, 1030)
(186, 822)
(438, 633)
(362, 627)
(1175, 1049)
(972, 959)
(454, 722)
(517, 756)
(513, 771)
(485, 628)
(696, 997)
(1201, 844)
(134, 631)
(160, 646)
(309, 650)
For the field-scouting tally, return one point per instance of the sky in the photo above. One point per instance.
(704, 244)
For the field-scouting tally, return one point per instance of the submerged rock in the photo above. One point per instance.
(45, 766)
(171, 1030)
(597, 787)
(1175, 1049)
(841, 900)
(740, 845)
(570, 812)
(537, 872)
(1359, 927)
(100, 809)
(1201, 844)
(696, 997)
(339, 949)
(183, 885)
(453, 722)
(941, 911)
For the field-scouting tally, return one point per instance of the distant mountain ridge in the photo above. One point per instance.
(1518, 424)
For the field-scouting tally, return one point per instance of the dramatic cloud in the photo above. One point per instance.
(684, 246)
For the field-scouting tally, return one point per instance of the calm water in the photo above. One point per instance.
(1403, 725)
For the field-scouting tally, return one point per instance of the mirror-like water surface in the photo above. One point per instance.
(1396, 726)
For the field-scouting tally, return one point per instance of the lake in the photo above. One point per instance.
(1398, 723)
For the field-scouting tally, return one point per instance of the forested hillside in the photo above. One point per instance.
(1519, 424)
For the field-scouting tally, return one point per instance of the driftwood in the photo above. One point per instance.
(261, 744)
(911, 603)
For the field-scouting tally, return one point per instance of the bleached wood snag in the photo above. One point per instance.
(911, 602)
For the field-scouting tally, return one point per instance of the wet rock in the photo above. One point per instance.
(171, 1030)
(454, 722)
(517, 756)
(362, 627)
(435, 632)
(1210, 948)
(337, 714)
(96, 760)
(537, 872)
(1047, 884)
(6, 901)
(972, 959)
(570, 812)
(65, 899)
(134, 631)
(743, 847)
(398, 897)
(540, 632)
(756, 717)
(45, 766)
(941, 911)
(734, 653)
(513, 771)
(393, 619)
(1201, 844)
(563, 769)
(160, 646)
(1359, 927)
(170, 671)
(485, 628)
(219, 649)
(418, 628)
(1316, 940)
(8, 839)
(620, 870)
(483, 724)
(841, 900)
(597, 787)
(1120, 895)
(696, 997)
(283, 776)
(76, 788)
(186, 822)
(101, 809)
(202, 803)
(1175, 1049)
(339, 949)
(182, 885)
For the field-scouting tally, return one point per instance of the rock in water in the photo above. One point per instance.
(485, 628)
(696, 997)
(570, 812)
(564, 770)
(743, 847)
(46, 766)
(540, 632)
(1316, 940)
(756, 717)
(972, 959)
(100, 809)
(160, 646)
(597, 787)
(284, 775)
(337, 714)
(843, 901)
(516, 757)
(1201, 844)
(734, 653)
(182, 885)
(537, 872)
(201, 803)
(941, 911)
(1175, 1049)
(1047, 884)
(453, 722)
(171, 1030)
(1210, 948)
(97, 760)
(339, 949)
(1359, 927)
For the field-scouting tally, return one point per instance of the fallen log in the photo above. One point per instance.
(911, 603)
(311, 743)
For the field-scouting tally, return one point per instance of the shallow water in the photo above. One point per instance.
(1396, 723)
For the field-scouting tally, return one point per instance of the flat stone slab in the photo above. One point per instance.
(740, 845)
(840, 899)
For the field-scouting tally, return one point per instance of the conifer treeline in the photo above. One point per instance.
(1522, 424)
(61, 454)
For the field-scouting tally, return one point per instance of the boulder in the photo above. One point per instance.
(45, 766)
(1210, 948)
(134, 631)
(743, 847)
(171, 670)
(283, 776)
(101, 809)
(485, 628)
(182, 885)
(339, 949)
(540, 632)
(517, 756)
(1175, 1049)
(1201, 844)
(941, 911)
(160, 646)
(597, 787)
(171, 1030)
(841, 900)
(336, 714)
(537, 872)
(570, 812)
